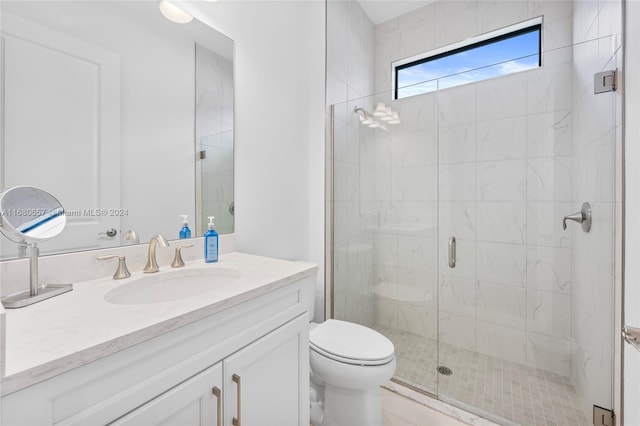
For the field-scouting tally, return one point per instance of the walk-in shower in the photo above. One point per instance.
(520, 327)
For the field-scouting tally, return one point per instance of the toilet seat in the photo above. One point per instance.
(351, 343)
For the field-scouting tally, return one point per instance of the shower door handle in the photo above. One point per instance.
(452, 252)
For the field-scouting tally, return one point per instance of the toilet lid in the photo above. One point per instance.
(351, 343)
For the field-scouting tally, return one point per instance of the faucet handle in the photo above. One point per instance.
(177, 260)
(122, 272)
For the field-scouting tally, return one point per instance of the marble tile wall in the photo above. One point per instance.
(497, 157)
(596, 157)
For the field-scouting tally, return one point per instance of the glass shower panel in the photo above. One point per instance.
(385, 209)
(520, 329)
(353, 217)
(518, 320)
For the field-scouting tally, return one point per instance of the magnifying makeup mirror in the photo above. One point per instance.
(29, 215)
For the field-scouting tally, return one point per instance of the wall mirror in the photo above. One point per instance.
(125, 116)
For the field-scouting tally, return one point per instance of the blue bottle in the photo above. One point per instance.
(211, 243)
(185, 232)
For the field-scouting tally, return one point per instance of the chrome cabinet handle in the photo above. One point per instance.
(452, 252)
(583, 217)
(218, 395)
(236, 420)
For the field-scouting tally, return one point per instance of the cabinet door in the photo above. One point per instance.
(196, 401)
(267, 382)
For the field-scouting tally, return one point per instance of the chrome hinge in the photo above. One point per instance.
(202, 154)
(632, 336)
(603, 417)
(605, 81)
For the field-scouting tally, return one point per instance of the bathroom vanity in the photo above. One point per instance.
(234, 355)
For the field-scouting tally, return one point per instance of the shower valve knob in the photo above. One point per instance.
(583, 217)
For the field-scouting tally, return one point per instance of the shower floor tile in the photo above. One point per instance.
(513, 392)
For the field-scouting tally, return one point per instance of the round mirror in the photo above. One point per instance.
(30, 214)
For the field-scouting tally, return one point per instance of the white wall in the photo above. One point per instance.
(279, 139)
(157, 153)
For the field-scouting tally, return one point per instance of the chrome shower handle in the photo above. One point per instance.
(576, 217)
(583, 217)
(452, 252)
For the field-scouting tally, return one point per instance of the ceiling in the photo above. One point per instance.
(380, 11)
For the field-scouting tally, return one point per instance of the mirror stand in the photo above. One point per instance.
(22, 249)
(35, 293)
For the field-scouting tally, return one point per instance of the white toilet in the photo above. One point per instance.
(348, 364)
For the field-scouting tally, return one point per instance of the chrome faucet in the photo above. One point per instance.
(152, 264)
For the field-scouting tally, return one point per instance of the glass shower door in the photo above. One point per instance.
(384, 239)
(526, 314)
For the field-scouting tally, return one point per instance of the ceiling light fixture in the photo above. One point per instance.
(174, 13)
(381, 110)
(395, 119)
(382, 115)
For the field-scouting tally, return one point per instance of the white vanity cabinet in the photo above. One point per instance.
(259, 387)
(254, 354)
(261, 382)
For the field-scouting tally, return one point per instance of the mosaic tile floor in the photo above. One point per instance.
(512, 392)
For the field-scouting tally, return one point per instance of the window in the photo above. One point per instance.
(507, 51)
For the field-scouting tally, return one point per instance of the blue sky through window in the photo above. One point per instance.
(470, 64)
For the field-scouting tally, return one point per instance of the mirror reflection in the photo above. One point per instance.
(29, 214)
(102, 102)
(214, 135)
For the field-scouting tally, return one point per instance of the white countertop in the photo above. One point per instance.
(67, 331)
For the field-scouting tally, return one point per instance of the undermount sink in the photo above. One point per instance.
(170, 286)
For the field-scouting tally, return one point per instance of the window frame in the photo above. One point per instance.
(525, 27)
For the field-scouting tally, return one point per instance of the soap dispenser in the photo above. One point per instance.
(185, 232)
(211, 243)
